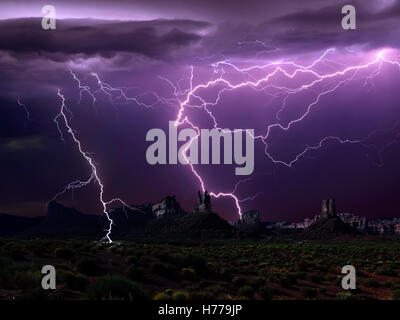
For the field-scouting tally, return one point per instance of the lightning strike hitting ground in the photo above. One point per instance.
(61, 116)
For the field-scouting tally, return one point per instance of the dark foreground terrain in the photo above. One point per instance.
(218, 270)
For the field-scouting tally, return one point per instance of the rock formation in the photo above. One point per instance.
(168, 205)
(203, 203)
(328, 209)
(251, 217)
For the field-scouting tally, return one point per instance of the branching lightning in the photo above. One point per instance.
(62, 116)
(320, 83)
(262, 84)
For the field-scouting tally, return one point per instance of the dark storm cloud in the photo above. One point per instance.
(156, 39)
(210, 10)
(321, 28)
(34, 63)
(308, 30)
(313, 27)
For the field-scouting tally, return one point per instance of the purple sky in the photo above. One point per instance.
(136, 45)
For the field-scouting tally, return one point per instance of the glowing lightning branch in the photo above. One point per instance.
(278, 68)
(109, 91)
(74, 185)
(327, 83)
(28, 117)
(94, 176)
(83, 88)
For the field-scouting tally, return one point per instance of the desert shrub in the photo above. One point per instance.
(115, 287)
(386, 271)
(189, 274)
(215, 290)
(27, 280)
(165, 256)
(64, 253)
(331, 278)
(246, 291)
(162, 296)
(273, 277)
(369, 269)
(176, 258)
(75, 281)
(239, 282)
(195, 261)
(396, 294)
(202, 295)
(33, 295)
(131, 259)
(159, 268)
(212, 269)
(40, 250)
(345, 296)
(87, 266)
(75, 244)
(8, 246)
(321, 290)
(169, 292)
(119, 250)
(130, 251)
(145, 261)
(257, 282)
(301, 265)
(7, 273)
(179, 295)
(163, 270)
(308, 293)
(338, 281)
(203, 284)
(7, 279)
(135, 273)
(85, 248)
(371, 283)
(285, 281)
(323, 267)
(5, 262)
(266, 293)
(225, 274)
(314, 277)
(292, 276)
(298, 275)
(17, 253)
(395, 284)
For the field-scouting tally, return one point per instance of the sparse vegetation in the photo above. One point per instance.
(198, 271)
(396, 294)
(65, 253)
(309, 293)
(115, 287)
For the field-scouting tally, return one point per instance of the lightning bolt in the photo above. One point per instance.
(329, 82)
(22, 105)
(262, 84)
(62, 116)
